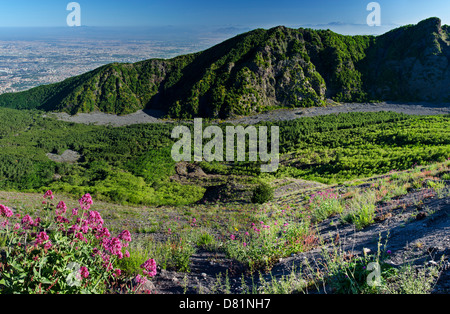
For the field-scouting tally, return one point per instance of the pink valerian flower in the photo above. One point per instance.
(140, 280)
(232, 237)
(27, 221)
(48, 245)
(16, 226)
(61, 208)
(95, 219)
(41, 237)
(5, 211)
(117, 272)
(36, 222)
(74, 228)
(114, 246)
(125, 236)
(48, 194)
(95, 251)
(84, 226)
(127, 254)
(85, 201)
(84, 272)
(80, 236)
(61, 219)
(75, 212)
(102, 233)
(149, 268)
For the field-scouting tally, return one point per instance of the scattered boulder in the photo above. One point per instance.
(188, 170)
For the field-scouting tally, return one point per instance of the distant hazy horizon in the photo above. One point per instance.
(347, 17)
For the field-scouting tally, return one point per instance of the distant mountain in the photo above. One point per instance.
(263, 69)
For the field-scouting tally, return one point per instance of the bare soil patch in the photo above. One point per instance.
(69, 156)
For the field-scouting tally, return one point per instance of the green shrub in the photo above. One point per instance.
(361, 209)
(174, 254)
(262, 246)
(324, 204)
(206, 241)
(262, 193)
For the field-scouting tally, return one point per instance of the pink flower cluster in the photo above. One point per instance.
(84, 226)
(125, 236)
(28, 222)
(84, 272)
(49, 194)
(114, 245)
(5, 211)
(323, 195)
(85, 201)
(43, 238)
(149, 268)
(61, 208)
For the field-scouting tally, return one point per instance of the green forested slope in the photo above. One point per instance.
(133, 164)
(260, 70)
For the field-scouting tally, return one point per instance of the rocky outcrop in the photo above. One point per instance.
(411, 63)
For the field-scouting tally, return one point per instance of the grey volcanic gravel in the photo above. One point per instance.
(156, 116)
(100, 118)
(292, 114)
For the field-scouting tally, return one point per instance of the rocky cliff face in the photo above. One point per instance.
(264, 69)
(411, 63)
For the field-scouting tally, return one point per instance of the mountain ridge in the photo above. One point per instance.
(260, 69)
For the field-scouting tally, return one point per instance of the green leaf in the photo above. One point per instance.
(36, 274)
(42, 261)
(45, 281)
(16, 266)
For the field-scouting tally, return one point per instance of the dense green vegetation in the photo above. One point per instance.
(338, 148)
(133, 164)
(262, 69)
(129, 164)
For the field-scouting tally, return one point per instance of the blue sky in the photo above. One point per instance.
(212, 13)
